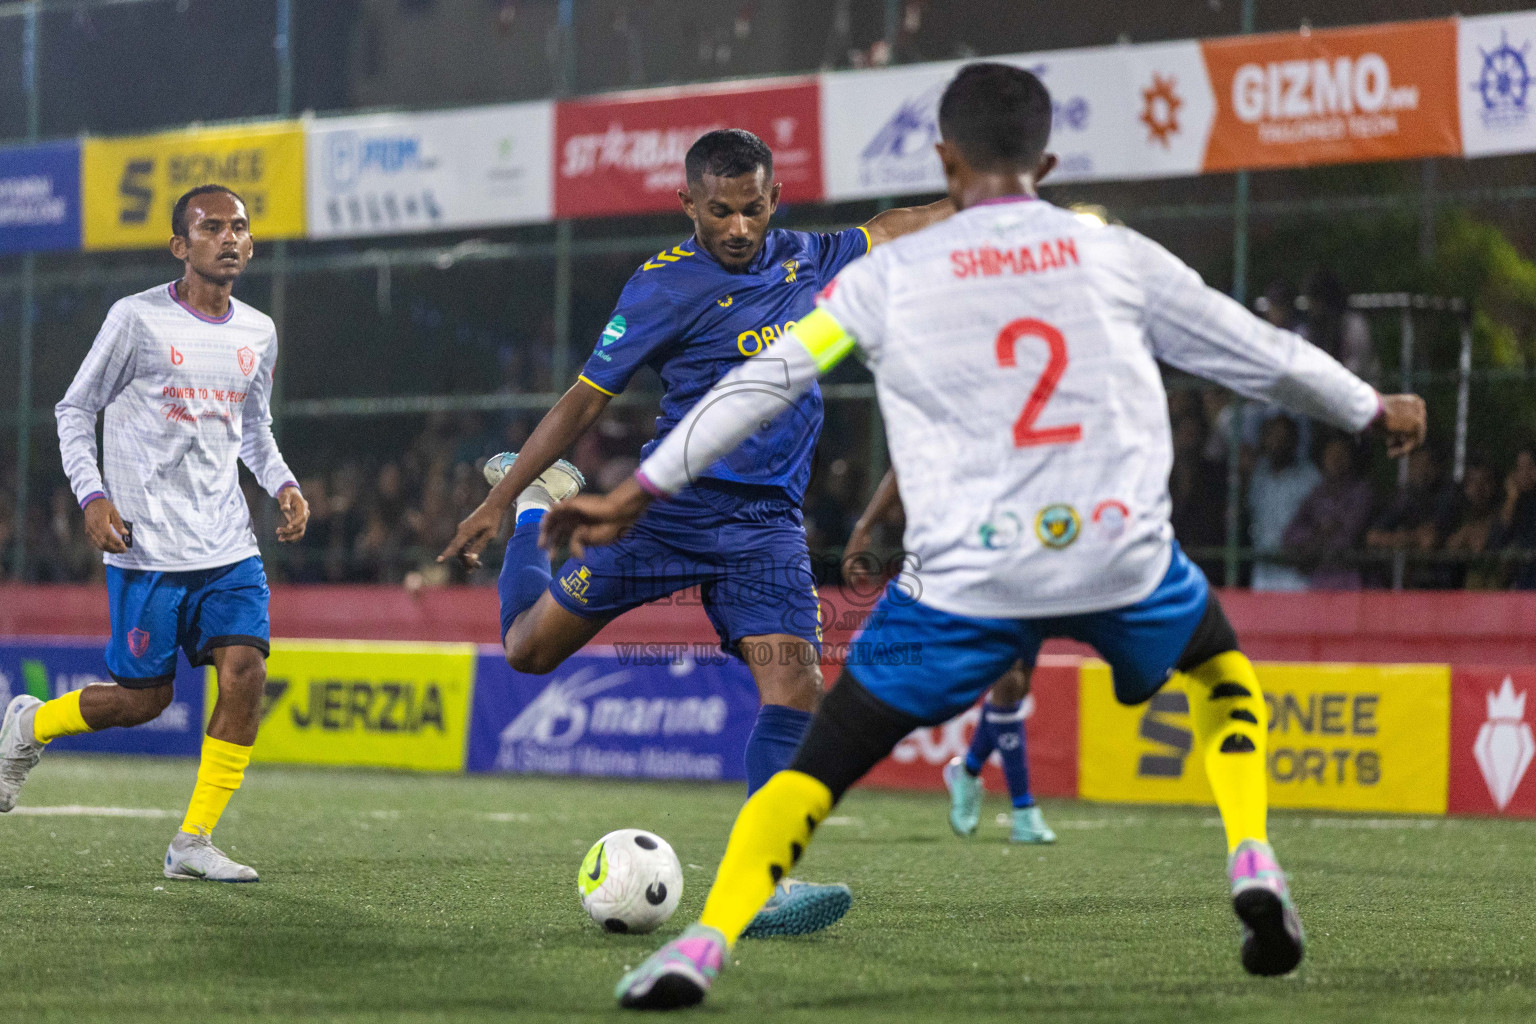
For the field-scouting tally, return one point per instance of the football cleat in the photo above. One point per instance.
(799, 908)
(1029, 827)
(676, 975)
(1272, 935)
(557, 483)
(964, 797)
(18, 754)
(195, 857)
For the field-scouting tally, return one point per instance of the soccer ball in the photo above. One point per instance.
(630, 881)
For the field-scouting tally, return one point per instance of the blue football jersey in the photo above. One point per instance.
(691, 320)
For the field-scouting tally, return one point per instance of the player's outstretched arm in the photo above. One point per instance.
(884, 227)
(570, 417)
(748, 398)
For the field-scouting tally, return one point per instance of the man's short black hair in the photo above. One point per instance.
(998, 117)
(727, 153)
(179, 225)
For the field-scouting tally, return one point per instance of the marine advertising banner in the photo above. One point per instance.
(131, 184)
(1492, 745)
(623, 153)
(40, 198)
(391, 174)
(1341, 737)
(1496, 81)
(48, 668)
(387, 705)
(1347, 95)
(657, 711)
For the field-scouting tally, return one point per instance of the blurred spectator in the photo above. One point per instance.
(1198, 487)
(1281, 481)
(1330, 521)
(1418, 517)
(1338, 330)
(1517, 517)
(1476, 527)
(1277, 304)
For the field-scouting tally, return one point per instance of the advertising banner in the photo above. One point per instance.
(1380, 92)
(1491, 742)
(641, 711)
(623, 153)
(1341, 737)
(1496, 82)
(1050, 733)
(51, 668)
(389, 174)
(40, 198)
(353, 703)
(131, 184)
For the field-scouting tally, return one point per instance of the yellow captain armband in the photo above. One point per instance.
(824, 338)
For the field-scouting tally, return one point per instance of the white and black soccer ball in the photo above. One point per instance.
(630, 881)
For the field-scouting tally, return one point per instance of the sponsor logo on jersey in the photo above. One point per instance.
(725, 303)
(247, 360)
(611, 333)
(138, 641)
(576, 581)
(1057, 526)
(1504, 84)
(1001, 531)
(176, 357)
(1504, 745)
(750, 343)
(1110, 517)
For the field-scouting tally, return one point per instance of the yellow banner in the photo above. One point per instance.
(131, 184)
(1341, 737)
(361, 703)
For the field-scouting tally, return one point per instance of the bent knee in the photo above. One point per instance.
(530, 660)
(145, 705)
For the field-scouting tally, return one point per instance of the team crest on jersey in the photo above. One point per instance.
(793, 266)
(138, 641)
(1110, 518)
(1000, 532)
(1057, 526)
(247, 360)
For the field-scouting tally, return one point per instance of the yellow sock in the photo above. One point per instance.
(1231, 730)
(59, 717)
(771, 832)
(218, 776)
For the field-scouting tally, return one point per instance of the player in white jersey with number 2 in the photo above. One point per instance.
(1015, 352)
(184, 374)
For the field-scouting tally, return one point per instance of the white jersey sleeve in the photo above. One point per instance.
(1197, 329)
(258, 448)
(106, 371)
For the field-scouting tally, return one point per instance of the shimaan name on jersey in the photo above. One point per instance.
(1015, 350)
(185, 396)
(691, 320)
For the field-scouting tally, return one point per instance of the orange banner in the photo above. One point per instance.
(1384, 92)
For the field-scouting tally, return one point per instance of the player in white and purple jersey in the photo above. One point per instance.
(1015, 354)
(183, 372)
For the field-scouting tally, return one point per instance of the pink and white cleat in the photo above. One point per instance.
(1272, 934)
(676, 975)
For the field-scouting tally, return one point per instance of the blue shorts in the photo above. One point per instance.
(744, 549)
(153, 613)
(934, 665)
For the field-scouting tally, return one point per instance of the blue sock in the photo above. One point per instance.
(1008, 728)
(525, 570)
(983, 740)
(775, 737)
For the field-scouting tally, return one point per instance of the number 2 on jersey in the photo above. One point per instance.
(1025, 434)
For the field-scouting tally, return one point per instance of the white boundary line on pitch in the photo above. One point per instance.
(81, 811)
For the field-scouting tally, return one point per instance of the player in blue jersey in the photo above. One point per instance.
(692, 313)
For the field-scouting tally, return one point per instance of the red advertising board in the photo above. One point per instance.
(623, 153)
(1492, 745)
(1051, 731)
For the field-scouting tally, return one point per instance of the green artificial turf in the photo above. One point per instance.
(404, 897)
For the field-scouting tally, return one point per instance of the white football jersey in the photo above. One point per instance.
(185, 396)
(1015, 349)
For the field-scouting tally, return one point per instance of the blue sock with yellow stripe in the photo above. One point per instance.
(524, 571)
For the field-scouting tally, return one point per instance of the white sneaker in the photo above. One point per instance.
(195, 857)
(18, 754)
(555, 484)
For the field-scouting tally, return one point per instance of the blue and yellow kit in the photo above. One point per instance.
(738, 532)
